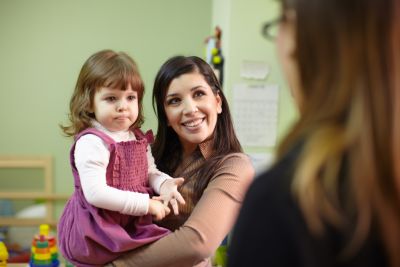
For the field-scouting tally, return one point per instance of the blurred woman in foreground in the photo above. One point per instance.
(332, 198)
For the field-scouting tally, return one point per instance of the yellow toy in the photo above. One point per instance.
(3, 254)
(214, 55)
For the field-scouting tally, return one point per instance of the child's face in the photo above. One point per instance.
(116, 109)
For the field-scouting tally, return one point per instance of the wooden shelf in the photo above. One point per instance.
(26, 162)
(7, 221)
(33, 195)
(46, 194)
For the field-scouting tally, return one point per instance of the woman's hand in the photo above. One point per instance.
(169, 193)
(158, 209)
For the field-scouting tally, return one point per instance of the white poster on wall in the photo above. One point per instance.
(255, 114)
(250, 69)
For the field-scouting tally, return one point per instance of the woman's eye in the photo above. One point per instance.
(173, 101)
(198, 93)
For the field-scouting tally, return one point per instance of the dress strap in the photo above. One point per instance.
(107, 139)
(140, 135)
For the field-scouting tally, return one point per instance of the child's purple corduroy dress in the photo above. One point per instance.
(90, 236)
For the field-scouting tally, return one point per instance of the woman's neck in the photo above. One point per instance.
(187, 152)
(187, 148)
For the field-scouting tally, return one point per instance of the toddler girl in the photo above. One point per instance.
(111, 209)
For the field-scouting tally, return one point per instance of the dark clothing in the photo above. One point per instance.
(271, 230)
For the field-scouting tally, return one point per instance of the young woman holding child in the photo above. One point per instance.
(195, 140)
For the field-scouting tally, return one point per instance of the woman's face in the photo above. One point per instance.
(286, 46)
(192, 109)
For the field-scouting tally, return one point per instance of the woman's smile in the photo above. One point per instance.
(195, 123)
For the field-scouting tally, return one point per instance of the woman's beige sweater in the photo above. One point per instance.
(199, 229)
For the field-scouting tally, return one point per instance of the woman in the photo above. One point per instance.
(332, 199)
(195, 140)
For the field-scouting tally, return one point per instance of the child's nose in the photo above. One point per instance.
(122, 105)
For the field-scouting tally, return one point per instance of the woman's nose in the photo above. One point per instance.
(190, 107)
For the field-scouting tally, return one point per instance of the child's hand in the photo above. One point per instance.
(169, 193)
(158, 209)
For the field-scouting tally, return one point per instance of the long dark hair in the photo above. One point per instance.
(348, 59)
(167, 149)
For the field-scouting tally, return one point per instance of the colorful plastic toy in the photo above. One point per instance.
(44, 249)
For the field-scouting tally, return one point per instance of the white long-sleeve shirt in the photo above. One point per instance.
(91, 160)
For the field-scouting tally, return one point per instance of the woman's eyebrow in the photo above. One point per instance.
(191, 89)
(171, 95)
(196, 87)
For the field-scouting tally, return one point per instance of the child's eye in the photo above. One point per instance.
(131, 97)
(111, 98)
(173, 101)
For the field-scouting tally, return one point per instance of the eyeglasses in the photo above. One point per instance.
(270, 29)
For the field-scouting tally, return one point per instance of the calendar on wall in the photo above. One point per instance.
(255, 114)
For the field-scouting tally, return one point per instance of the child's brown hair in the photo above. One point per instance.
(105, 68)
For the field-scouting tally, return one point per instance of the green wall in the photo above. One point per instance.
(242, 21)
(44, 44)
